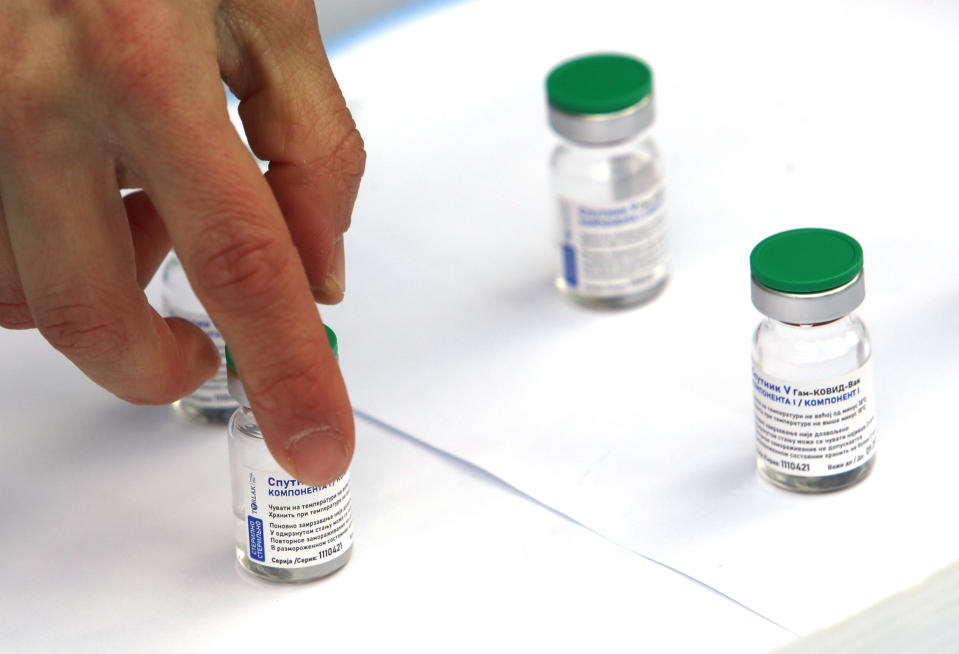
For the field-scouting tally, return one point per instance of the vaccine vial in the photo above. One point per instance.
(211, 402)
(812, 362)
(607, 181)
(285, 530)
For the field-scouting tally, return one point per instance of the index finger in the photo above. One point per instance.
(238, 254)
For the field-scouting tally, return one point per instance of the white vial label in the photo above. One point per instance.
(214, 394)
(815, 429)
(292, 525)
(614, 249)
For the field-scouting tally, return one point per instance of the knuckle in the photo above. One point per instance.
(344, 149)
(15, 38)
(338, 166)
(30, 82)
(133, 48)
(80, 327)
(133, 28)
(240, 267)
(350, 158)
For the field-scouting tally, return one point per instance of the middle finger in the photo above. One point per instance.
(74, 255)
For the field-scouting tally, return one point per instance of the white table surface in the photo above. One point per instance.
(116, 531)
(639, 424)
(116, 536)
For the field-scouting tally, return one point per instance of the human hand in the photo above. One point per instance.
(99, 95)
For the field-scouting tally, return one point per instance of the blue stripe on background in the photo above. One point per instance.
(390, 20)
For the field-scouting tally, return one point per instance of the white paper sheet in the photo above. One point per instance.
(638, 424)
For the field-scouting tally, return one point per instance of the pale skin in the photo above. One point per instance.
(101, 95)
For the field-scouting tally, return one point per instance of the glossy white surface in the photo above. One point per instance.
(639, 424)
(116, 529)
(116, 520)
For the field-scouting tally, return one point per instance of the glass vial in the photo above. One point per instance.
(211, 402)
(285, 530)
(812, 367)
(607, 181)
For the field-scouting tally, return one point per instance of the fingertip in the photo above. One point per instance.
(16, 315)
(328, 293)
(199, 352)
(333, 288)
(305, 414)
(319, 456)
(177, 368)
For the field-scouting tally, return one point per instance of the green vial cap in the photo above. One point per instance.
(599, 84)
(330, 336)
(809, 260)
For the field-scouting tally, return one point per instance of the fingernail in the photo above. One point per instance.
(318, 456)
(335, 283)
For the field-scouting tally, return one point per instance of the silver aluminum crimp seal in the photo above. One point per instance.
(601, 129)
(809, 308)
